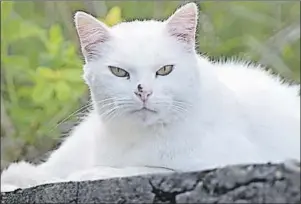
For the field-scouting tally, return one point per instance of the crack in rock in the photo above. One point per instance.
(167, 194)
(168, 197)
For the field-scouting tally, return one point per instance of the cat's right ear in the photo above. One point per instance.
(182, 24)
(91, 33)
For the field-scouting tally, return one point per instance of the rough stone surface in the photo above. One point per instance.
(261, 183)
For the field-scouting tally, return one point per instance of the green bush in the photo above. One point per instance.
(42, 73)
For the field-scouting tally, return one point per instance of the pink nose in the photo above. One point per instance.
(143, 96)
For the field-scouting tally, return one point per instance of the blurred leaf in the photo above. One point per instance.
(28, 29)
(52, 108)
(70, 52)
(79, 90)
(6, 8)
(47, 73)
(24, 91)
(62, 90)
(113, 17)
(55, 34)
(15, 61)
(55, 39)
(72, 75)
(22, 115)
(9, 30)
(42, 92)
(16, 30)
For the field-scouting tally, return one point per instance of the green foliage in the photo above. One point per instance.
(246, 29)
(42, 79)
(41, 65)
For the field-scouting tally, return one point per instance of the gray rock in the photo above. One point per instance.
(257, 183)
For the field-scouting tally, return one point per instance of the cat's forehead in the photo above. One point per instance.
(139, 34)
(137, 28)
(142, 42)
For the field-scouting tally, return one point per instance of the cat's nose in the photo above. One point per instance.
(143, 95)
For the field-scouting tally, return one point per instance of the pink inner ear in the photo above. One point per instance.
(185, 37)
(91, 34)
(182, 24)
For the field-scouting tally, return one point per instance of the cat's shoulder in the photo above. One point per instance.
(251, 77)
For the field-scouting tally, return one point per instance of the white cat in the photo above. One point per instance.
(157, 103)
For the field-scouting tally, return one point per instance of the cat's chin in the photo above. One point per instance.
(144, 111)
(144, 116)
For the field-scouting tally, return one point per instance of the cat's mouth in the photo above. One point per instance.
(144, 109)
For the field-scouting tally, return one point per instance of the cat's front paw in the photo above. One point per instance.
(21, 175)
(8, 187)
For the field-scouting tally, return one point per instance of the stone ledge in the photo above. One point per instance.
(260, 183)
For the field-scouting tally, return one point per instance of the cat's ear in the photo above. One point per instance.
(183, 23)
(91, 33)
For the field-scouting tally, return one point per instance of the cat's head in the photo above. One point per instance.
(145, 71)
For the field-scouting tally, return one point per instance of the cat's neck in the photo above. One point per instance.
(212, 97)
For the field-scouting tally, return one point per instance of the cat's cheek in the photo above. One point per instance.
(94, 80)
(88, 77)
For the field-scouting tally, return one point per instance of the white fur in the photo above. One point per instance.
(226, 113)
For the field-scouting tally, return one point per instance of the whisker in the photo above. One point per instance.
(72, 114)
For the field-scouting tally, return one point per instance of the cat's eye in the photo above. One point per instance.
(119, 72)
(165, 70)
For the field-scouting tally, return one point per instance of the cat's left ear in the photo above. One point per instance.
(183, 23)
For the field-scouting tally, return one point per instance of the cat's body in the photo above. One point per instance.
(224, 131)
(205, 115)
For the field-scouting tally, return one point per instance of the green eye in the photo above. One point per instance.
(165, 70)
(119, 72)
